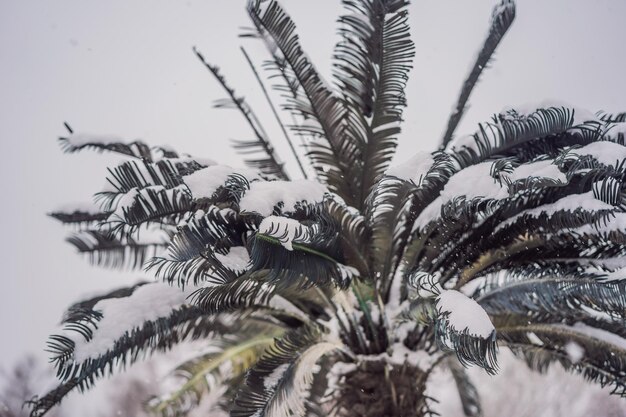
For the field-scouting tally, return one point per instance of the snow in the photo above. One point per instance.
(264, 195)
(430, 213)
(613, 224)
(585, 201)
(124, 203)
(581, 115)
(119, 315)
(400, 355)
(599, 334)
(500, 9)
(615, 129)
(392, 125)
(285, 230)
(347, 272)
(472, 182)
(82, 139)
(204, 182)
(237, 259)
(542, 169)
(467, 141)
(281, 303)
(414, 169)
(606, 153)
(274, 378)
(534, 339)
(617, 275)
(464, 314)
(79, 207)
(574, 351)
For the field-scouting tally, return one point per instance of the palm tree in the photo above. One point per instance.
(340, 295)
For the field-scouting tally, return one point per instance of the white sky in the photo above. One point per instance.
(127, 68)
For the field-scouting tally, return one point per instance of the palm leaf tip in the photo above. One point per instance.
(501, 19)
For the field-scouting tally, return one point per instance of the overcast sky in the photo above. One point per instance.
(126, 68)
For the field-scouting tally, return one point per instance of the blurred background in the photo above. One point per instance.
(127, 68)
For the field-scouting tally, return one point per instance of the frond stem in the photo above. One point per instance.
(276, 115)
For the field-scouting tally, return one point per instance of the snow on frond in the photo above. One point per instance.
(605, 152)
(464, 314)
(427, 285)
(290, 382)
(506, 131)
(79, 213)
(205, 182)
(347, 273)
(611, 117)
(615, 223)
(581, 115)
(134, 148)
(88, 207)
(538, 169)
(475, 181)
(237, 259)
(570, 203)
(599, 334)
(574, 351)
(263, 196)
(463, 327)
(616, 132)
(414, 169)
(286, 230)
(120, 315)
(82, 139)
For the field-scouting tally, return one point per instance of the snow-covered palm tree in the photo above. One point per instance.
(339, 295)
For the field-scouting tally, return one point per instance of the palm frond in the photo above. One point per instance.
(229, 360)
(372, 64)
(81, 216)
(158, 335)
(243, 291)
(76, 142)
(199, 249)
(501, 19)
(279, 383)
(283, 129)
(463, 327)
(562, 297)
(333, 153)
(270, 164)
(150, 204)
(612, 117)
(507, 132)
(599, 355)
(470, 398)
(142, 174)
(305, 265)
(105, 250)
